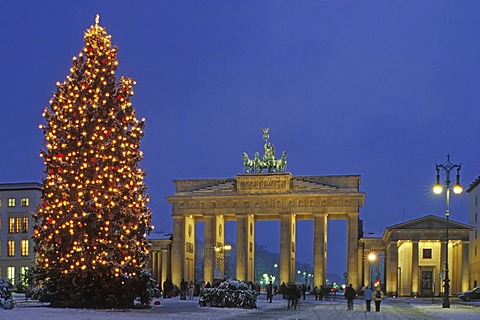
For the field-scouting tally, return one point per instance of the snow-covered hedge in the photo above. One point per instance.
(229, 294)
(6, 298)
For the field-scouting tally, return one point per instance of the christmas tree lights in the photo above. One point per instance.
(91, 227)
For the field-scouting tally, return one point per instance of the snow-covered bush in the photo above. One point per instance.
(229, 294)
(6, 298)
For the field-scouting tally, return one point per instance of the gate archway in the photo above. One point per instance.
(247, 198)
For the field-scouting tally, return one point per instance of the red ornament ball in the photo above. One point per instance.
(104, 61)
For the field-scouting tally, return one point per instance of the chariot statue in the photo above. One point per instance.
(268, 161)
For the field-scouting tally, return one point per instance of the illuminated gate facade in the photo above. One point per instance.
(248, 198)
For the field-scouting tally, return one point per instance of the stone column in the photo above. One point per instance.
(245, 247)
(352, 248)
(219, 271)
(287, 247)
(465, 267)
(415, 284)
(208, 249)
(319, 249)
(250, 248)
(189, 266)
(165, 263)
(242, 247)
(178, 249)
(155, 263)
(391, 274)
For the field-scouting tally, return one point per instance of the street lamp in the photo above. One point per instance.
(457, 189)
(374, 260)
(221, 259)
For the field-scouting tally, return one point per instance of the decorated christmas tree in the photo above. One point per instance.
(91, 227)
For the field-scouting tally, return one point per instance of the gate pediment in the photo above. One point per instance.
(428, 227)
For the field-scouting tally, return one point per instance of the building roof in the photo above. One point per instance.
(159, 236)
(17, 186)
(474, 184)
(426, 227)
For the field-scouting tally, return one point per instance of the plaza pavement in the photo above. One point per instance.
(400, 308)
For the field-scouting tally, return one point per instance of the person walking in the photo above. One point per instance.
(269, 292)
(350, 295)
(191, 288)
(283, 290)
(368, 294)
(183, 289)
(377, 297)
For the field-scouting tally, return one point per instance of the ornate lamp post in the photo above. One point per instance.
(220, 259)
(457, 189)
(372, 259)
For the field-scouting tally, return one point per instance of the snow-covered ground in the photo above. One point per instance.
(308, 309)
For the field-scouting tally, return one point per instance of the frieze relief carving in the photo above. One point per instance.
(269, 203)
(263, 183)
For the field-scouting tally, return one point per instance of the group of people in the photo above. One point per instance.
(291, 292)
(186, 289)
(369, 294)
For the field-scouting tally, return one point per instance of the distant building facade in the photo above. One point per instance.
(414, 257)
(17, 202)
(160, 256)
(473, 219)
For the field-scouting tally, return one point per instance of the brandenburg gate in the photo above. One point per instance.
(256, 196)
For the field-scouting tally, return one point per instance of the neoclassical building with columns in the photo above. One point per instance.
(414, 256)
(248, 198)
(413, 252)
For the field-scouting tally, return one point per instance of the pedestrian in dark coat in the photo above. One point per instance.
(269, 292)
(377, 296)
(283, 290)
(350, 295)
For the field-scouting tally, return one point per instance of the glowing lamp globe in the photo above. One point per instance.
(437, 189)
(457, 189)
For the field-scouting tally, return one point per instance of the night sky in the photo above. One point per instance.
(384, 89)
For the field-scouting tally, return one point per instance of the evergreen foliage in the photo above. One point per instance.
(229, 294)
(90, 230)
(6, 298)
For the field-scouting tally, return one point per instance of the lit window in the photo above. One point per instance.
(11, 274)
(427, 253)
(11, 202)
(25, 202)
(11, 248)
(18, 225)
(11, 225)
(0, 202)
(24, 248)
(24, 224)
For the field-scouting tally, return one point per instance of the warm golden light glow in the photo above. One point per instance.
(437, 189)
(93, 213)
(457, 189)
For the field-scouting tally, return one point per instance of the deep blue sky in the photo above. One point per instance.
(383, 89)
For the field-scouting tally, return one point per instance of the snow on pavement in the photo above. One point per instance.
(308, 309)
